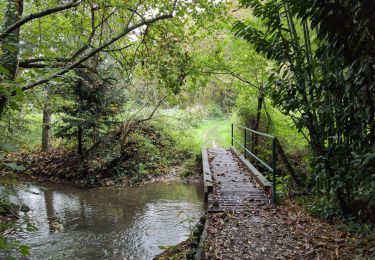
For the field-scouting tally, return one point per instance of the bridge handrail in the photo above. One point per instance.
(271, 168)
(255, 157)
(255, 132)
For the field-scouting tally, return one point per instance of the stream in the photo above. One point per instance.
(78, 223)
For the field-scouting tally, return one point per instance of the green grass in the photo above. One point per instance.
(213, 132)
(194, 129)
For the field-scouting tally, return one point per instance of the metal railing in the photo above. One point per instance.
(271, 168)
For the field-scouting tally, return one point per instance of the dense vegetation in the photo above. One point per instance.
(324, 82)
(114, 92)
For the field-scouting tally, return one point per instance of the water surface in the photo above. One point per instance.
(77, 223)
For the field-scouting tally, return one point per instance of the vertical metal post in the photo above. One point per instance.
(274, 169)
(245, 143)
(232, 135)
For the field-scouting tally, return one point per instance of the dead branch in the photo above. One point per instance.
(128, 126)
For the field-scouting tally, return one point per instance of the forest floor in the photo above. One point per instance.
(288, 232)
(62, 166)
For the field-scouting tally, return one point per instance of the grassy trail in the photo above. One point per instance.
(214, 132)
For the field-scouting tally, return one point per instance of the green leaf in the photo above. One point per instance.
(30, 227)
(24, 250)
(3, 70)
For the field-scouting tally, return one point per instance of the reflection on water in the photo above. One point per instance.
(105, 224)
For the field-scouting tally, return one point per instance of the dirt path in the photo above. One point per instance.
(261, 232)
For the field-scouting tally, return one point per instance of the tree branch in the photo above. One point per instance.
(152, 113)
(38, 15)
(125, 129)
(230, 73)
(34, 62)
(96, 50)
(37, 65)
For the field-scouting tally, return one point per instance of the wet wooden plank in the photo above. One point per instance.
(207, 176)
(233, 182)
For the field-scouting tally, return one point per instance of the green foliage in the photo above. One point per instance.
(6, 246)
(322, 206)
(8, 215)
(6, 147)
(320, 81)
(22, 129)
(215, 111)
(91, 110)
(15, 167)
(189, 166)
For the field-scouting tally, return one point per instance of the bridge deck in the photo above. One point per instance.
(233, 184)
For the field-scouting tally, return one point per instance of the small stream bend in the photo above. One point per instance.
(77, 223)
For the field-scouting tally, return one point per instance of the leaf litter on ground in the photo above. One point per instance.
(289, 232)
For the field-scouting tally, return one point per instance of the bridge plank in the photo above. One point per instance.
(207, 176)
(233, 183)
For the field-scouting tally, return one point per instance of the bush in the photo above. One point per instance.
(321, 206)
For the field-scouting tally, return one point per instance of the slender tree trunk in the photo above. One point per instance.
(79, 139)
(46, 129)
(256, 122)
(47, 116)
(9, 47)
(287, 164)
(80, 128)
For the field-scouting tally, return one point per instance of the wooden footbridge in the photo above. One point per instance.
(231, 181)
(242, 222)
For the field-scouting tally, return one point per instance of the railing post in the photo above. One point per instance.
(232, 135)
(274, 140)
(245, 142)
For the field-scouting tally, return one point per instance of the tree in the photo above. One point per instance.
(9, 47)
(318, 86)
(91, 110)
(97, 37)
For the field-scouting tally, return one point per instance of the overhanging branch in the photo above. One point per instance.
(96, 50)
(38, 15)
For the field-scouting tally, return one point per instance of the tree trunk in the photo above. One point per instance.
(80, 128)
(79, 140)
(287, 165)
(10, 47)
(46, 129)
(47, 116)
(255, 126)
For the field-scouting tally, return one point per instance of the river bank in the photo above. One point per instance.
(64, 166)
